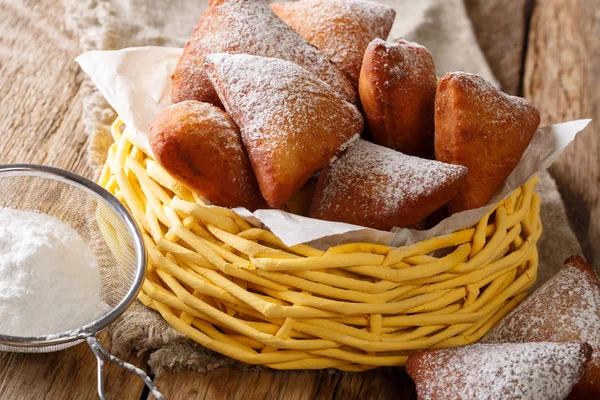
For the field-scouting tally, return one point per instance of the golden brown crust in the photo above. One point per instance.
(588, 387)
(292, 123)
(580, 263)
(478, 126)
(199, 145)
(246, 27)
(188, 80)
(397, 90)
(341, 29)
(376, 187)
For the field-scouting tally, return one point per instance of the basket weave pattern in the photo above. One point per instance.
(238, 290)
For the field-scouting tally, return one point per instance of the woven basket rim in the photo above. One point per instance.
(238, 290)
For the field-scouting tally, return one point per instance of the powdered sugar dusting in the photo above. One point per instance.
(397, 178)
(475, 122)
(567, 307)
(199, 113)
(405, 62)
(266, 92)
(292, 123)
(500, 371)
(220, 134)
(341, 29)
(250, 27)
(345, 147)
(409, 43)
(494, 106)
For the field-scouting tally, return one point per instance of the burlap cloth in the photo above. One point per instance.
(441, 25)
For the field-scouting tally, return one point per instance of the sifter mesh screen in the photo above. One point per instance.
(100, 223)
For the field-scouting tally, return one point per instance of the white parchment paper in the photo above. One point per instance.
(136, 82)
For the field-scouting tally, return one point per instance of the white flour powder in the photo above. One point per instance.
(49, 277)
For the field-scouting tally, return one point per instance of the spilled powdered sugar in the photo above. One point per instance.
(501, 371)
(396, 177)
(567, 307)
(341, 29)
(250, 27)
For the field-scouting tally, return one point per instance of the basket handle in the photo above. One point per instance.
(101, 354)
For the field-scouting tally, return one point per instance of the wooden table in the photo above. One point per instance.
(548, 52)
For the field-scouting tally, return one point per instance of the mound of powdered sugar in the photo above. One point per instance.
(49, 277)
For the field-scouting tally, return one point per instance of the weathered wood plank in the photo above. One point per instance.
(40, 120)
(68, 374)
(561, 78)
(231, 383)
(500, 27)
(39, 106)
(40, 114)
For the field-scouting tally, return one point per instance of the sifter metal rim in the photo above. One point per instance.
(102, 195)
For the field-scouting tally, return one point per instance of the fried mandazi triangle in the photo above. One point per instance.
(478, 126)
(341, 29)
(373, 186)
(525, 371)
(397, 91)
(292, 123)
(199, 145)
(566, 308)
(247, 27)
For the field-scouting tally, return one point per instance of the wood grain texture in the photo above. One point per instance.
(68, 374)
(561, 78)
(231, 383)
(40, 106)
(40, 116)
(500, 27)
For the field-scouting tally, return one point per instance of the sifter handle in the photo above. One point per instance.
(101, 354)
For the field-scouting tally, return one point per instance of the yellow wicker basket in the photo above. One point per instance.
(238, 290)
